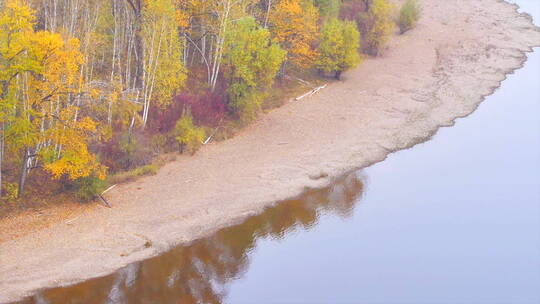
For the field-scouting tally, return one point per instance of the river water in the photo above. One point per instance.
(453, 220)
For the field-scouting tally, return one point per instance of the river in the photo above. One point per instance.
(453, 220)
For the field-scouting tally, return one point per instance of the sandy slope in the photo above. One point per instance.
(459, 53)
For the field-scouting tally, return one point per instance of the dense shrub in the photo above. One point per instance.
(376, 26)
(408, 15)
(11, 191)
(208, 109)
(125, 151)
(163, 120)
(188, 135)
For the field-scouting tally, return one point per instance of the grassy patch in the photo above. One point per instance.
(150, 169)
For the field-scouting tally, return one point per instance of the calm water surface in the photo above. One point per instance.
(454, 220)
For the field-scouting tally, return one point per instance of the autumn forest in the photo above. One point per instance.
(94, 92)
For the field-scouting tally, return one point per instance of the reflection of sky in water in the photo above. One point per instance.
(454, 220)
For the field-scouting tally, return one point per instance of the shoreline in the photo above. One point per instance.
(441, 71)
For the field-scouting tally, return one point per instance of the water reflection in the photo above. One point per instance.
(199, 273)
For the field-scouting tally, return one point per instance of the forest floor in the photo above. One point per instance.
(459, 53)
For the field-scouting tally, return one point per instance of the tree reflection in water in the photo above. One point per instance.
(199, 272)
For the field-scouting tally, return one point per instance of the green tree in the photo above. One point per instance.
(328, 8)
(408, 15)
(338, 48)
(253, 61)
(376, 25)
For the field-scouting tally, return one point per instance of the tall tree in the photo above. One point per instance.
(40, 79)
(376, 25)
(163, 69)
(338, 49)
(253, 61)
(294, 25)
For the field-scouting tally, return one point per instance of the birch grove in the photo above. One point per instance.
(90, 88)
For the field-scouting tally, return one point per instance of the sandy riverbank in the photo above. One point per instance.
(442, 70)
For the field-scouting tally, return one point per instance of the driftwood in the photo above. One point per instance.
(213, 133)
(72, 220)
(210, 137)
(104, 201)
(317, 89)
(107, 190)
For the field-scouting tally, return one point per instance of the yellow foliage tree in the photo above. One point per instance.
(75, 160)
(188, 135)
(294, 25)
(39, 79)
(163, 68)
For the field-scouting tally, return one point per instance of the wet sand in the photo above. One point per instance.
(459, 53)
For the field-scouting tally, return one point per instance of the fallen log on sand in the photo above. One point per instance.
(317, 89)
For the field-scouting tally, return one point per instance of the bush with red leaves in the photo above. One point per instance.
(207, 109)
(124, 152)
(162, 120)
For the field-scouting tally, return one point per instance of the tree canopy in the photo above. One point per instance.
(338, 48)
(254, 61)
(295, 26)
(95, 88)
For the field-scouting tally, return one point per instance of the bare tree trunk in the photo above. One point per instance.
(24, 173)
(139, 47)
(136, 6)
(268, 7)
(152, 66)
(201, 51)
(220, 43)
(113, 61)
